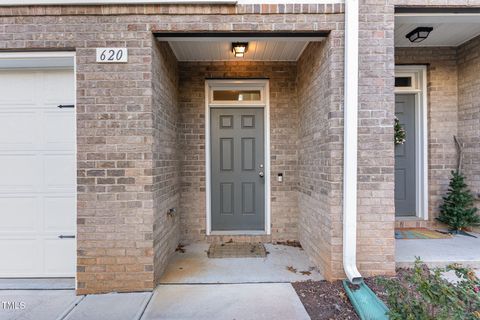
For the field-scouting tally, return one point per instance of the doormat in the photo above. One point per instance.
(419, 233)
(237, 250)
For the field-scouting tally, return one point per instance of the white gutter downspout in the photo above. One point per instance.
(350, 137)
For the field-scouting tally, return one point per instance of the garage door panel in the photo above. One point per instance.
(58, 173)
(20, 257)
(14, 84)
(18, 214)
(59, 257)
(19, 172)
(57, 128)
(37, 173)
(18, 129)
(57, 87)
(58, 217)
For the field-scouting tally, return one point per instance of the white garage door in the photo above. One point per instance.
(37, 173)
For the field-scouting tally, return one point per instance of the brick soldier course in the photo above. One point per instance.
(141, 140)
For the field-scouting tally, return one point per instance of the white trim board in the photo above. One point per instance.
(263, 86)
(37, 60)
(419, 88)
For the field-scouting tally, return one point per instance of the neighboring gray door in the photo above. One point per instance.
(237, 153)
(405, 190)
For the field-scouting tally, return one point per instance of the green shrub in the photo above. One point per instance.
(422, 294)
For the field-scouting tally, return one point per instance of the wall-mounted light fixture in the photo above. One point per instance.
(239, 49)
(419, 34)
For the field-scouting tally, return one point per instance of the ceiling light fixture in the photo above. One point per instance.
(239, 49)
(419, 34)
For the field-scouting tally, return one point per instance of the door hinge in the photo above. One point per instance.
(62, 106)
(66, 237)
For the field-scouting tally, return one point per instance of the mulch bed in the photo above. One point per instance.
(325, 300)
(329, 301)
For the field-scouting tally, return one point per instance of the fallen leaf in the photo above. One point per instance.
(180, 248)
(292, 269)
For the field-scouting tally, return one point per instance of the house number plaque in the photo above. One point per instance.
(112, 55)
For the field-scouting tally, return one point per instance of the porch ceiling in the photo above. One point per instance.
(448, 29)
(220, 48)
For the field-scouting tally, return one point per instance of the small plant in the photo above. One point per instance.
(422, 294)
(400, 134)
(457, 210)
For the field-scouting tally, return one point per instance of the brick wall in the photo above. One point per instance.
(376, 207)
(442, 116)
(283, 136)
(321, 147)
(114, 148)
(319, 166)
(124, 177)
(166, 228)
(126, 174)
(469, 111)
(320, 94)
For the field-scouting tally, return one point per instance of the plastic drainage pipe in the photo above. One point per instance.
(365, 302)
(350, 134)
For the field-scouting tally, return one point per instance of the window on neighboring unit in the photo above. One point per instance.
(403, 82)
(236, 95)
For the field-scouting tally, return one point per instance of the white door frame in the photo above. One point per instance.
(48, 60)
(418, 75)
(263, 86)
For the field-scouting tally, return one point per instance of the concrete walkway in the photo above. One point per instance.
(220, 301)
(226, 301)
(439, 252)
(193, 287)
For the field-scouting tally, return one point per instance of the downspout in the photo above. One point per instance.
(350, 137)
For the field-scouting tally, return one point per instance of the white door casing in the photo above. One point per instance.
(264, 102)
(38, 173)
(418, 86)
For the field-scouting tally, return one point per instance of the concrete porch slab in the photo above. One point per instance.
(439, 252)
(226, 301)
(118, 306)
(39, 304)
(194, 266)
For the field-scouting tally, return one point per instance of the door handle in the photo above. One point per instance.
(62, 106)
(261, 174)
(66, 236)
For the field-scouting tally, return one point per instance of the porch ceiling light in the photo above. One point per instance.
(239, 49)
(419, 34)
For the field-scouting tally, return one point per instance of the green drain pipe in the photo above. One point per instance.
(365, 301)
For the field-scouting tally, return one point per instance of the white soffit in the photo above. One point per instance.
(221, 49)
(449, 30)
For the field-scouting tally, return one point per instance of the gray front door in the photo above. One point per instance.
(405, 190)
(237, 169)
